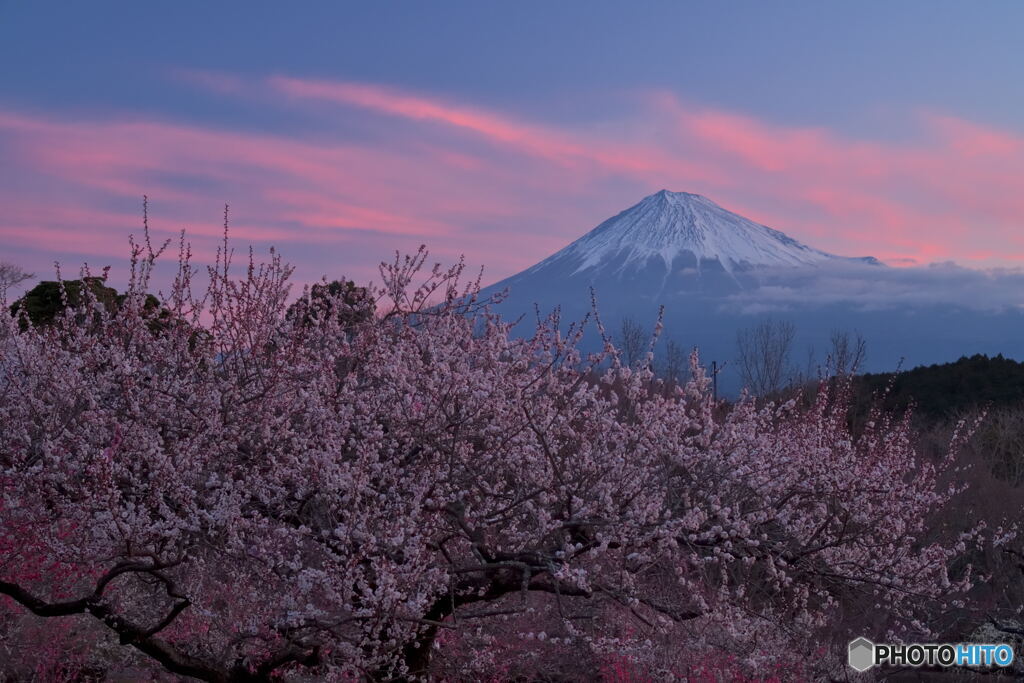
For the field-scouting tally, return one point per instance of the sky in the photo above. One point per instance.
(341, 132)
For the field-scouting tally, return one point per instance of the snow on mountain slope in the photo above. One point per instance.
(669, 225)
(669, 245)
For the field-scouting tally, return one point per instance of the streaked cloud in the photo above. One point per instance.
(352, 171)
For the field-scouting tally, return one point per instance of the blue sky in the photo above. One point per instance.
(804, 62)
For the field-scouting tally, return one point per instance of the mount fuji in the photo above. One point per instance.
(673, 242)
(716, 272)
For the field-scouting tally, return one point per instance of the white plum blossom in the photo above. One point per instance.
(242, 495)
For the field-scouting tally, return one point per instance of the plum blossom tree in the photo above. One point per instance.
(361, 493)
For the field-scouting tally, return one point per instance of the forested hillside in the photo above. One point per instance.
(945, 390)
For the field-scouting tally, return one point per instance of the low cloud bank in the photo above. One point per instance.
(994, 290)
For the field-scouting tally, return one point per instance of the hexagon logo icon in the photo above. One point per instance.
(862, 654)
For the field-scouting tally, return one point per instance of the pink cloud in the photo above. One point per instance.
(532, 139)
(877, 185)
(310, 193)
(972, 140)
(923, 198)
(558, 146)
(504, 190)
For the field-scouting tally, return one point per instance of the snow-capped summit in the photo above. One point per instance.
(681, 229)
(670, 244)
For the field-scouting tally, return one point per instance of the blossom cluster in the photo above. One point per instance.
(238, 493)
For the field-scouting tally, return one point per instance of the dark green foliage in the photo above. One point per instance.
(947, 390)
(43, 303)
(351, 303)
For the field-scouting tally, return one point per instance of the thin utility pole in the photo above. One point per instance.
(714, 379)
